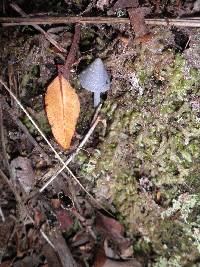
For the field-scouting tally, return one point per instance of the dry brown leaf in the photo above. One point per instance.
(62, 108)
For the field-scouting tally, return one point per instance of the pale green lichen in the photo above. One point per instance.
(182, 79)
(172, 262)
(185, 205)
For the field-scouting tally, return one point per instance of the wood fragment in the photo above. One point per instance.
(125, 4)
(13, 21)
(72, 52)
(3, 140)
(62, 250)
(12, 81)
(137, 21)
(51, 256)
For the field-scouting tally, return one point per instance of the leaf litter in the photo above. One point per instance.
(89, 230)
(62, 108)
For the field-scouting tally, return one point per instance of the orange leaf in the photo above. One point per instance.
(62, 108)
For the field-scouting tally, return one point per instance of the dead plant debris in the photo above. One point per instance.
(107, 184)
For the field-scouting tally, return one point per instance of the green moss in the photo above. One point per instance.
(179, 80)
(41, 119)
(152, 145)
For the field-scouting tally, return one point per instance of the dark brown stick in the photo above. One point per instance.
(62, 249)
(51, 256)
(9, 21)
(2, 140)
(72, 52)
(73, 49)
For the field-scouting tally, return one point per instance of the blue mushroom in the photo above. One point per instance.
(95, 79)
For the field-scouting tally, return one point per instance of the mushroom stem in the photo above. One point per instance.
(97, 99)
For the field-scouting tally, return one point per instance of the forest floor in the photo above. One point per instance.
(126, 190)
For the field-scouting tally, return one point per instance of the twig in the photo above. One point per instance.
(13, 21)
(9, 21)
(96, 114)
(46, 238)
(47, 35)
(174, 22)
(72, 156)
(2, 215)
(2, 140)
(73, 50)
(47, 141)
(62, 249)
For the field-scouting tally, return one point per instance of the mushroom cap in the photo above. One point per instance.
(95, 77)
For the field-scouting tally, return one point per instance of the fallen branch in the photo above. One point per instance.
(9, 21)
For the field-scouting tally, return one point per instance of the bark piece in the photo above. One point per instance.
(22, 172)
(137, 19)
(63, 251)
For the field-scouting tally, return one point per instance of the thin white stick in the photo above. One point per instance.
(42, 232)
(47, 239)
(174, 22)
(47, 141)
(2, 215)
(73, 155)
